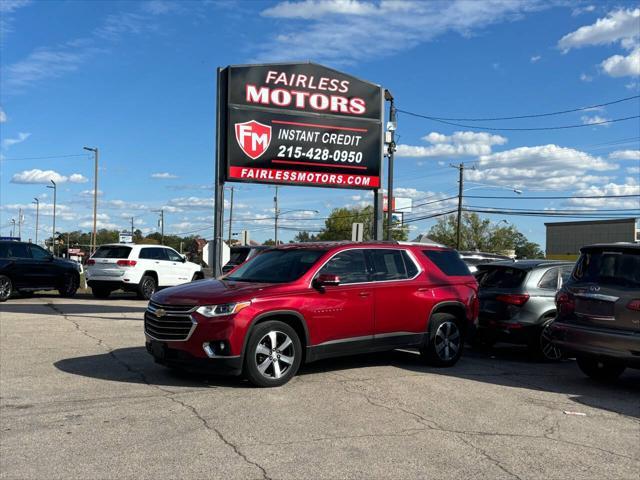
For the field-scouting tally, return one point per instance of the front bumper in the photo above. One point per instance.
(582, 340)
(173, 357)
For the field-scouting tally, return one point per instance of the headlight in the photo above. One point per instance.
(221, 310)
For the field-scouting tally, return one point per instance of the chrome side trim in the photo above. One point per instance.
(344, 340)
(598, 296)
(396, 334)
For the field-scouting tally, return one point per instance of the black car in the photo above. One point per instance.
(599, 310)
(25, 268)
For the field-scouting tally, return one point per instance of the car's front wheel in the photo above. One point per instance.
(6, 287)
(445, 341)
(70, 287)
(273, 354)
(542, 346)
(599, 369)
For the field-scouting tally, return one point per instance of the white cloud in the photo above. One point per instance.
(586, 78)
(623, 66)
(535, 58)
(580, 10)
(192, 203)
(89, 193)
(163, 175)
(630, 187)
(3, 116)
(594, 120)
(45, 176)
(548, 167)
(342, 32)
(633, 170)
(617, 26)
(7, 7)
(456, 145)
(632, 85)
(625, 155)
(8, 142)
(100, 224)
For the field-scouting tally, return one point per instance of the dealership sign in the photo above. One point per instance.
(299, 124)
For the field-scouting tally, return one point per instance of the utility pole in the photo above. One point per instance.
(132, 229)
(13, 227)
(37, 202)
(230, 216)
(161, 225)
(20, 223)
(391, 148)
(53, 236)
(277, 212)
(460, 168)
(94, 239)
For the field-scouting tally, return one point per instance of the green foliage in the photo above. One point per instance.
(483, 235)
(304, 236)
(339, 224)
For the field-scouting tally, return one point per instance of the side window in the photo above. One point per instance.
(173, 255)
(145, 253)
(39, 253)
(160, 254)
(388, 265)
(153, 253)
(350, 266)
(448, 262)
(550, 279)
(18, 250)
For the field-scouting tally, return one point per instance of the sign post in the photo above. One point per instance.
(297, 124)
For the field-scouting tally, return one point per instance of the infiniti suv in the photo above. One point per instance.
(304, 302)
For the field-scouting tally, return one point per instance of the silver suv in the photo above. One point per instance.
(517, 303)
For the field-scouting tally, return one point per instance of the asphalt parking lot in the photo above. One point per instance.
(80, 398)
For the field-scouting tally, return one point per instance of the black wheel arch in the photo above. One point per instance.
(453, 307)
(150, 273)
(292, 318)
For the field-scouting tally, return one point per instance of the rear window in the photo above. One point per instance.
(501, 277)
(448, 261)
(113, 251)
(609, 267)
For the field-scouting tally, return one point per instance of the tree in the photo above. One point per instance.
(305, 236)
(480, 234)
(269, 242)
(338, 225)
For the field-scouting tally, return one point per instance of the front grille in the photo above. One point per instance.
(173, 323)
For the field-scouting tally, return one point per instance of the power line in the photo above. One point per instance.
(553, 197)
(536, 115)
(512, 129)
(50, 156)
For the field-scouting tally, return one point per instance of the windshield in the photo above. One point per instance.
(276, 266)
(615, 267)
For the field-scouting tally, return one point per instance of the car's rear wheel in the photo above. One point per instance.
(147, 287)
(100, 292)
(445, 341)
(273, 354)
(599, 369)
(542, 345)
(6, 288)
(70, 287)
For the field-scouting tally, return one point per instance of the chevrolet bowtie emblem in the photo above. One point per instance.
(160, 312)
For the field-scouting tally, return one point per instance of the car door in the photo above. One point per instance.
(342, 315)
(162, 266)
(401, 301)
(48, 273)
(180, 271)
(21, 270)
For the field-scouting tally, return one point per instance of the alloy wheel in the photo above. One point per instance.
(148, 287)
(5, 288)
(447, 341)
(275, 354)
(549, 350)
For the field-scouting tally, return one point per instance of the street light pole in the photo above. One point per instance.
(161, 222)
(53, 236)
(37, 202)
(94, 239)
(277, 213)
(391, 148)
(20, 223)
(230, 215)
(13, 227)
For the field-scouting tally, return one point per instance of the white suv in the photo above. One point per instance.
(138, 268)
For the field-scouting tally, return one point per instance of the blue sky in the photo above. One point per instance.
(137, 80)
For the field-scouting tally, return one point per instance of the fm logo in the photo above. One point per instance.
(253, 137)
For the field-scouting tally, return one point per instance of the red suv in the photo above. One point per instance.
(304, 302)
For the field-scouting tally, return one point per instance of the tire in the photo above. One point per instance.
(445, 341)
(263, 361)
(542, 347)
(599, 369)
(99, 292)
(147, 287)
(6, 288)
(71, 286)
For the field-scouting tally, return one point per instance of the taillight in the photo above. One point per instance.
(518, 299)
(126, 263)
(91, 261)
(634, 305)
(564, 303)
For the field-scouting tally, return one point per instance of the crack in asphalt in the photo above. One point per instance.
(168, 394)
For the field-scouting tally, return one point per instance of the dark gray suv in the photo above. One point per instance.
(599, 310)
(517, 303)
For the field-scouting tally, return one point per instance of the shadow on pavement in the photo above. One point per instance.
(509, 367)
(76, 309)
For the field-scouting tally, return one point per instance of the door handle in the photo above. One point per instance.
(424, 289)
(157, 262)
(364, 294)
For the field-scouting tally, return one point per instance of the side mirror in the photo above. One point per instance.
(325, 280)
(184, 258)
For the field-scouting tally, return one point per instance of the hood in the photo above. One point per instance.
(209, 292)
